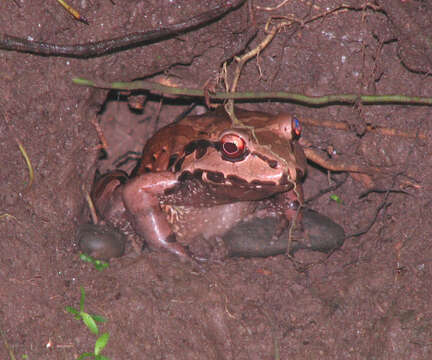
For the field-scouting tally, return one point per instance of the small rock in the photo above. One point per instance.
(254, 238)
(102, 242)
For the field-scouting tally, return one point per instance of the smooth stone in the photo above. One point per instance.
(101, 242)
(253, 238)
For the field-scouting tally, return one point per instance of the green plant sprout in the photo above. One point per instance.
(99, 346)
(335, 198)
(98, 264)
(88, 319)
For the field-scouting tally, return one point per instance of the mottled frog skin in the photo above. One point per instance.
(202, 175)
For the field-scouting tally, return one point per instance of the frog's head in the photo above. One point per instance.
(263, 156)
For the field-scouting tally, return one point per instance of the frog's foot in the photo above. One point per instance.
(254, 237)
(174, 247)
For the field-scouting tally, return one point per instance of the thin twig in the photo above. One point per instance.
(104, 47)
(92, 208)
(322, 192)
(334, 165)
(103, 141)
(22, 150)
(258, 95)
(369, 128)
(266, 8)
(73, 12)
(7, 216)
(6, 345)
(17, 3)
(243, 59)
(28, 162)
(383, 205)
(379, 190)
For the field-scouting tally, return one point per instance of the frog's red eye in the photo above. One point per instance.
(296, 127)
(233, 146)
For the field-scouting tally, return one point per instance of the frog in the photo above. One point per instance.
(204, 174)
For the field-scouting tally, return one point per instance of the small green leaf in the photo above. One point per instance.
(85, 355)
(101, 357)
(100, 265)
(101, 343)
(82, 299)
(98, 318)
(82, 81)
(336, 198)
(86, 258)
(90, 323)
(73, 311)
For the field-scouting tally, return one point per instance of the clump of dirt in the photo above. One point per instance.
(371, 299)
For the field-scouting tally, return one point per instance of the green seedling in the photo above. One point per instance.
(336, 198)
(99, 346)
(98, 264)
(88, 319)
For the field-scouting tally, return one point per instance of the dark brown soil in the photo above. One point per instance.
(369, 300)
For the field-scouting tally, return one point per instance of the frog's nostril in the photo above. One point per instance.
(299, 174)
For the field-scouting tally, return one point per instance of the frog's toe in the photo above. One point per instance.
(100, 241)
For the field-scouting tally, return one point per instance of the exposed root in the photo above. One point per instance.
(334, 165)
(370, 128)
(103, 142)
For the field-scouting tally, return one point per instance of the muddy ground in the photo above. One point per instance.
(369, 300)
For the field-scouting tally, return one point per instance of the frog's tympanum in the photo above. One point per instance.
(202, 175)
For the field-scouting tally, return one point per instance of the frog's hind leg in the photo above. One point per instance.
(106, 195)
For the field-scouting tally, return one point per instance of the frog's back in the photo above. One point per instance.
(169, 143)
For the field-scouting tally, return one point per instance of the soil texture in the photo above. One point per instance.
(368, 300)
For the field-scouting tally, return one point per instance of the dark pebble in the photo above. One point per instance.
(102, 242)
(254, 238)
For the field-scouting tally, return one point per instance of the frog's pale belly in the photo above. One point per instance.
(189, 222)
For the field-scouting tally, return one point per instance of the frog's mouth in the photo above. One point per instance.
(234, 188)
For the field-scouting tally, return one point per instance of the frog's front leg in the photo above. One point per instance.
(292, 202)
(289, 207)
(141, 199)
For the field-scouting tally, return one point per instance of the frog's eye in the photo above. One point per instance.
(233, 146)
(296, 127)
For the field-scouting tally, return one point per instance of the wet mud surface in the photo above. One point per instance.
(368, 300)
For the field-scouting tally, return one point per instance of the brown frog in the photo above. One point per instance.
(201, 176)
